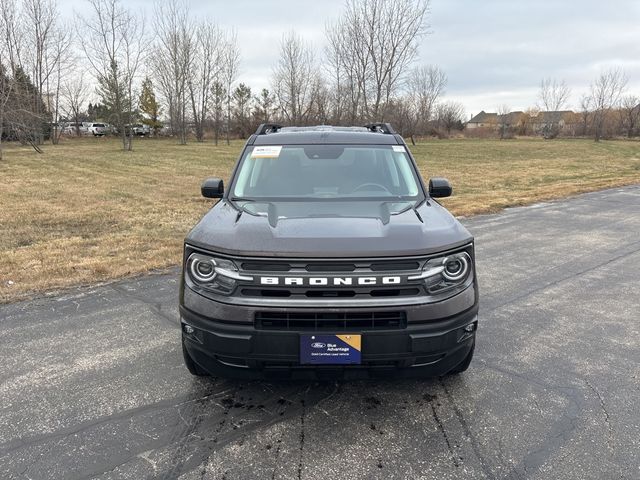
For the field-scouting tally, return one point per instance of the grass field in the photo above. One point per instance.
(85, 211)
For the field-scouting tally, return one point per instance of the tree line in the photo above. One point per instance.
(179, 74)
(182, 72)
(606, 110)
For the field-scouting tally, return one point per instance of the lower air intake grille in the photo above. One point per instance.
(330, 321)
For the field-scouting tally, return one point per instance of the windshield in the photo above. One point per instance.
(301, 172)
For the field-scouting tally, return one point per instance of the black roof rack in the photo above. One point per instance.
(322, 128)
(380, 127)
(265, 128)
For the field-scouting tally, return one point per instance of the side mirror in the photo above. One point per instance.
(439, 187)
(212, 188)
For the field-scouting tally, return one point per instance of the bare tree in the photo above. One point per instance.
(585, 113)
(59, 64)
(114, 44)
(339, 78)
(229, 74)
(400, 113)
(606, 91)
(425, 85)
(553, 95)
(9, 59)
(525, 124)
(6, 87)
(320, 110)
(18, 96)
(372, 46)
(75, 93)
(293, 77)
(450, 115)
(41, 37)
(172, 61)
(630, 113)
(348, 65)
(504, 122)
(205, 68)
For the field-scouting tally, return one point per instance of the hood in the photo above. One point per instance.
(328, 229)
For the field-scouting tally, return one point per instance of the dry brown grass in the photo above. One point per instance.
(489, 175)
(85, 212)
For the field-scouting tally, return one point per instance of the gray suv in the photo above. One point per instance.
(328, 256)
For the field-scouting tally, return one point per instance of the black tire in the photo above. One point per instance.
(193, 367)
(464, 364)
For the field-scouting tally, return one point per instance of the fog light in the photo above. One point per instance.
(188, 329)
(470, 328)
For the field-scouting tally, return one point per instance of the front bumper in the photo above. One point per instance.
(431, 347)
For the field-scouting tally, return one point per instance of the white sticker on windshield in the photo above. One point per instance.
(398, 148)
(269, 151)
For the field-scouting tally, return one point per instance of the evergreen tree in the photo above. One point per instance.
(242, 103)
(113, 93)
(97, 112)
(25, 100)
(265, 106)
(217, 100)
(149, 106)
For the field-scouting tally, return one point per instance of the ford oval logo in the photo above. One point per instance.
(318, 345)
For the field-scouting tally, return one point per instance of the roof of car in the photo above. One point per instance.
(324, 134)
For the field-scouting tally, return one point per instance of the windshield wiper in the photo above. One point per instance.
(241, 199)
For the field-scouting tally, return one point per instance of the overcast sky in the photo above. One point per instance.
(493, 51)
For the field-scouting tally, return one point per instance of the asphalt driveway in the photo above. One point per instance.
(93, 385)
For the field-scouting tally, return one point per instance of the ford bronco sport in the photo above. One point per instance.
(327, 255)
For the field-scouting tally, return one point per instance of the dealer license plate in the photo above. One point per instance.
(344, 349)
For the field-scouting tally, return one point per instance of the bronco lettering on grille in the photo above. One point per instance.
(330, 281)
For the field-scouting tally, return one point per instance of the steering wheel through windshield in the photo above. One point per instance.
(367, 187)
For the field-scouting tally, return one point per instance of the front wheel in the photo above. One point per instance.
(193, 367)
(464, 364)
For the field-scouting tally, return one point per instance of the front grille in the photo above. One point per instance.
(265, 267)
(337, 293)
(347, 321)
(330, 268)
(318, 266)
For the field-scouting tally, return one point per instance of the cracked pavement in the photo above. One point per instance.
(93, 384)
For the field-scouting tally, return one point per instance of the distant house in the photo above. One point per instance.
(561, 119)
(492, 120)
(525, 122)
(483, 120)
(512, 119)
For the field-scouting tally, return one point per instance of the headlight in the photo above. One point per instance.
(202, 269)
(456, 267)
(449, 273)
(215, 274)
